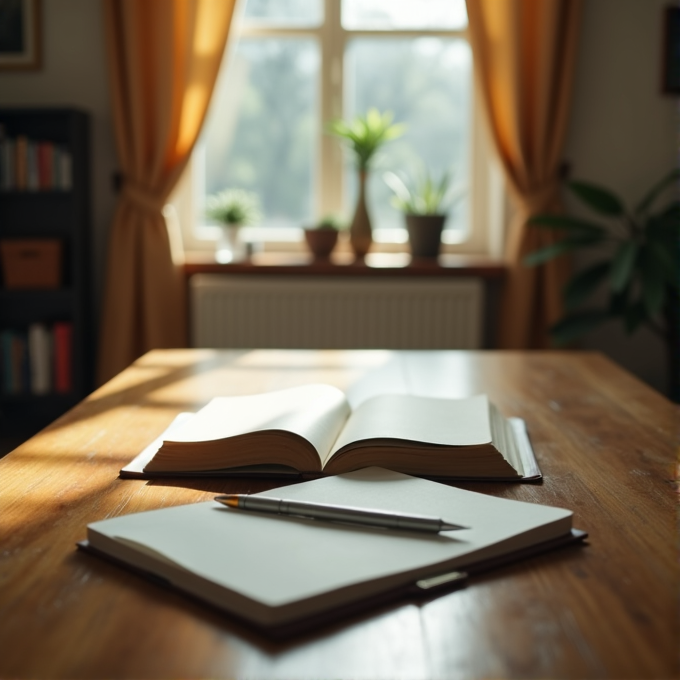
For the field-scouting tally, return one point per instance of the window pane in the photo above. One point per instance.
(426, 83)
(297, 12)
(262, 131)
(404, 14)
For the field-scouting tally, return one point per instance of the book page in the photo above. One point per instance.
(449, 422)
(315, 412)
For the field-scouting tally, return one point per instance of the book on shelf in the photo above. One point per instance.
(15, 369)
(40, 358)
(37, 360)
(34, 165)
(21, 163)
(63, 356)
(312, 431)
(284, 574)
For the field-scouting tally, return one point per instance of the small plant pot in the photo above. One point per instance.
(425, 234)
(321, 242)
(230, 247)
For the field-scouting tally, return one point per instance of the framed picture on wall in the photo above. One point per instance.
(20, 35)
(671, 51)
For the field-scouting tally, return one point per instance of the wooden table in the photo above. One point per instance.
(607, 609)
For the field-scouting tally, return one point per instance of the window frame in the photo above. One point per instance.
(486, 184)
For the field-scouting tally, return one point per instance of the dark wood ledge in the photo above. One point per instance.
(376, 265)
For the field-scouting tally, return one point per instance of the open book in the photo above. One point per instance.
(312, 431)
(286, 573)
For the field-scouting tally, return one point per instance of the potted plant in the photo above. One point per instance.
(638, 265)
(364, 135)
(321, 238)
(424, 208)
(232, 209)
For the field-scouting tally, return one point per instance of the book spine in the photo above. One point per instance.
(3, 168)
(21, 162)
(19, 363)
(32, 166)
(44, 166)
(10, 155)
(66, 170)
(39, 358)
(6, 356)
(63, 347)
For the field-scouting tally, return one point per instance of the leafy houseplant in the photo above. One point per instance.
(322, 237)
(640, 270)
(424, 208)
(232, 209)
(364, 135)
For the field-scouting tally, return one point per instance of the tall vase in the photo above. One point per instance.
(360, 237)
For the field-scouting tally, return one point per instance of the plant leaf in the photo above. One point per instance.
(656, 190)
(559, 248)
(584, 283)
(574, 325)
(619, 301)
(622, 265)
(634, 316)
(599, 199)
(567, 223)
(652, 281)
(667, 260)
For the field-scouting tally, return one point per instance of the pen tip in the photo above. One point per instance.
(229, 499)
(446, 526)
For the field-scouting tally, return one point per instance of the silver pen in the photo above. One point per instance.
(338, 513)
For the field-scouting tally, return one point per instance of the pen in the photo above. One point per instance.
(338, 513)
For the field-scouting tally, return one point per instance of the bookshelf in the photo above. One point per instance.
(52, 206)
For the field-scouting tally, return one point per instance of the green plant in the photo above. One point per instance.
(364, 135)
(640, 272)
(428, 197)
(334, 222)
(234, 207)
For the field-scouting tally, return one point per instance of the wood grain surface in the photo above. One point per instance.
(609, 609)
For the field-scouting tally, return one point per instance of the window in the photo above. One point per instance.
(297, 64)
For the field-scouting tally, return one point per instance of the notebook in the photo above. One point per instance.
(280, 574)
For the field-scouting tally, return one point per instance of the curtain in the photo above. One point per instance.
(524, 54)
(164, 56)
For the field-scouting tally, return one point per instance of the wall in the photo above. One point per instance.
(74, 74)
(623, 134)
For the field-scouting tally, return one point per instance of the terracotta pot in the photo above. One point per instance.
(321, 242)
(360, 236)
(425, 234)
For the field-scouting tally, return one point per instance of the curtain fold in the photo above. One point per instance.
(164, 56)
(524, 53)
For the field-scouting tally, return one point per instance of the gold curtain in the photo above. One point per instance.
(524, 54)
(164, 56)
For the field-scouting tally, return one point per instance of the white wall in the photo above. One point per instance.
(623, 134)
(74, 74)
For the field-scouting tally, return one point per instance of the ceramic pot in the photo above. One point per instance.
(230, 247)
(360, 237)
(425, 234)
(321, 242)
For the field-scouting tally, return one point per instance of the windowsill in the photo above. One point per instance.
(342, 264)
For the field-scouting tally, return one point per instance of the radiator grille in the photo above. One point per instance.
(333, 313)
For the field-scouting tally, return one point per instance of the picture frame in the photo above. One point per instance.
(20, 35)
(670, 83)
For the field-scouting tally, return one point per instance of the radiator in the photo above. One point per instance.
(335, 313)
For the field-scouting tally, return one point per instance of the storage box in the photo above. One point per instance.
(31, 263)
